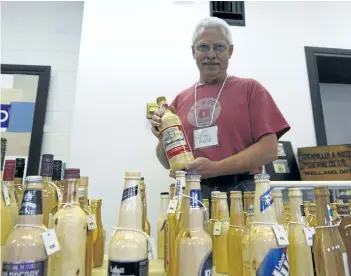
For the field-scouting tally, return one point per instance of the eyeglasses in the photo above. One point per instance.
(218, 48)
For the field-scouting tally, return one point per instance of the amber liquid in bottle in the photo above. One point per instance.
(145, 220)
(99, 241)
(212, 222)
(345, 228)
(246, 241)
(329, 250)
(235, 235)
(160, 225)
(311, 218)
(166, 259)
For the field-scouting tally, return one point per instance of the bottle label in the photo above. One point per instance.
(32, 203)
(206, 266)
(266, 200)
(130, 192)
(274, 263)
(174, 141)
(24, 268)
(302, 210)
(195, 199)
(139, 268)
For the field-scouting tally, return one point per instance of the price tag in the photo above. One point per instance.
(217, 228)
(50, 241)
(5, 191)
(151, 249)
(280, 234)
(309, 232)
(91, 222)
(172, 206)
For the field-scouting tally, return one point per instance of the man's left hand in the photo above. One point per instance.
(205, 167)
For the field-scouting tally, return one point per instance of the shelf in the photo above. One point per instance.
(308, 185)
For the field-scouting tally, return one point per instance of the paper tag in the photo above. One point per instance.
(280, 234)
(217, 228)
(91, 222)
(5, 191)
(151, 249)
(172, 206)
(50, 241)
(309, 232)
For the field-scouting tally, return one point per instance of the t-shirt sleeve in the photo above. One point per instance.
(265, 116)
(174, 103)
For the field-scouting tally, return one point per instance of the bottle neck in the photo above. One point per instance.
(164, 204)
(222, 209)
(196, 211)
(324, 213)
(143, 198)
(179, 192)
(70, 191)
(249, 220)
(236, 212)
(186, 206)
(264, 206)
(83, 196)
(297, 210)
(131, 211)
(279, 210)
(96, 210)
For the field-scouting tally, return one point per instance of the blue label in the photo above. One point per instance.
(266, 200)
(130, 192)
(195, 197)
(24, 268)
(274, 263)
(5, 115)
(206, 266)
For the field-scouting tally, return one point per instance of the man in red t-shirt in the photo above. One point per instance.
(232, 124)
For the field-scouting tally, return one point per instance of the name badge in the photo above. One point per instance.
(206, 137)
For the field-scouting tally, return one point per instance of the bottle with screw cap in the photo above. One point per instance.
(128, 252)
(70, 226)
(18, 181)
(24, 252)
(173, 137)
(160, 225)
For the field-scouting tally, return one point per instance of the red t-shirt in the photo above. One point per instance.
(244, 112)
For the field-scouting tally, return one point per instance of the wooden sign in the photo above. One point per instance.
(325, 162)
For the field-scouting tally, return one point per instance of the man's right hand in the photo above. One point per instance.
(155, 123)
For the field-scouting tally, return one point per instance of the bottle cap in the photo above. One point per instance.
(164, 193)
(33, 179)
(56, 170)
(72, 174)
(9, 170)
(180, 173)
(96, 201)
(133, 175)
(192, 175)
(222, 195)
(19, 170)
(160, 99)
(261, 176)
(235, 194)
(46, 165)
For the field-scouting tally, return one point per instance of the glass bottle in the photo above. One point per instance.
(287, 211)
(329, 250)
(146, 223)
(56, 179)
(345, 228)
(235, 235)
(212, 222)
(24, 252)
(84, 204)
(180, 186)
(98, 233)
(279, 207)
(173, 137)
(305, 206)
(206, 203)
(50, 198)
(195, 248)
(246, 241)
(166, 259)
(220, 241)
(8, 178)
(3, 153)
(18, 181)
(311, 218)
(128, 253)
(160, 225)
(299, 253)
(336, 218)
(70, 226)
(5, 219)
(267, 257)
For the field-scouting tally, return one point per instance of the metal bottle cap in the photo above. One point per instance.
(33, 179)
(72, 174)
(46, 165)
(56, 170)
(9, 170)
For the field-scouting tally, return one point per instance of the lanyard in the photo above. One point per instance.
(214, 107)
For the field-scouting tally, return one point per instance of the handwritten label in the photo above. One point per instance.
(280, 234)
(217, 228)
(172, 206)
(91, 222)
(50, 241)
(309, 232)
(5, 191)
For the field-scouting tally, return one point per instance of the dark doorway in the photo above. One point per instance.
(329, 73)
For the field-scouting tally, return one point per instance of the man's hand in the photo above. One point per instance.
(205, 167)
(156, 121)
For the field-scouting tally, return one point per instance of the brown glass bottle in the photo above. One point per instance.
(329, 250)
(99, 242)
(311, 218)
(345, 228)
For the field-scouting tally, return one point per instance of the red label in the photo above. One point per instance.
(174, 141)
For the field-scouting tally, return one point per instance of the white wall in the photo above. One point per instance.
(47, 33)
(336, 102)
(128, 57)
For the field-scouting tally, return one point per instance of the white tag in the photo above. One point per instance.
(206, 137)
(5, 191)
(91, 222)
(309, 232)
(280, 234)
(172, 206)
(217, 228)
(50, 241)
(151, 249)
(346, 264)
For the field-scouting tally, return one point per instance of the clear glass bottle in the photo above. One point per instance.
(18, 181)
(128, 253)
(345, 228)
(220, 241)
(279, 207)
(173, 137)
(98, 234)
(160, 225)
(329, 250)
(24, 252)
(299, 253)
(235, 235)
(195, 248)
(70, 225)
(267, 257)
